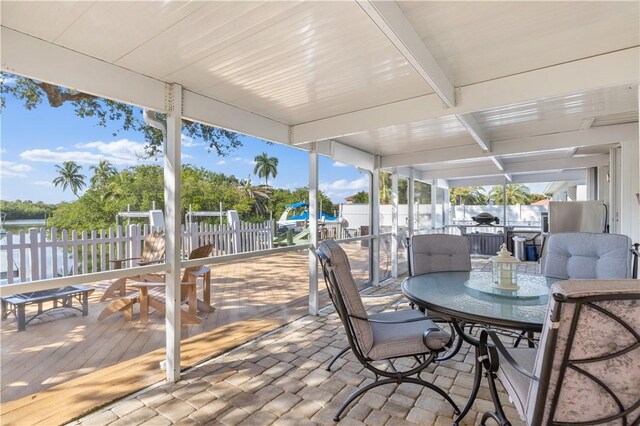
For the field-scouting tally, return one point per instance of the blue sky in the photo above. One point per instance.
(33, 142)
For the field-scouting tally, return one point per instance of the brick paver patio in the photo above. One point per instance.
(280, 379)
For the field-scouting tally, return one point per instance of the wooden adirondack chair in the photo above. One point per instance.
(152, 252)
(150, 294)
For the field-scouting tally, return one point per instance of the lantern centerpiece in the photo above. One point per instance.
(505, 270)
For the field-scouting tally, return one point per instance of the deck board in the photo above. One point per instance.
(69, 358)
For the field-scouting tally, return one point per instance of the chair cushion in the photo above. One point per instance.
(350, 294)
(397, 340)
(583, 255)
(516, 383)
(439, 253)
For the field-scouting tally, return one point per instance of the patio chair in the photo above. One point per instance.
(152, 252)
(439, 253)
(587, 370)
(381, 337)
(583, 255)
(126, 303)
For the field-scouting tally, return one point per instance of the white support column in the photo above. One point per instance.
(434, 204)
(394, 224)
(504, 202)
(630, 189)
(172, 193)
(313, 229)
(592, 183)
(374, 226)
(411, 203)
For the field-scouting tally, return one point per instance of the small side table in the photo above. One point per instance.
(61, 298)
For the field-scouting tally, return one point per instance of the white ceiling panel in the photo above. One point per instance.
(419, 136)
(111, 29)
(475, 41)
(560, 114)
(46, 21)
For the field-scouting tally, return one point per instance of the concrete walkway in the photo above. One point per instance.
(280, 379)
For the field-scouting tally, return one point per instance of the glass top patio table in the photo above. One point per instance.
(468, 296)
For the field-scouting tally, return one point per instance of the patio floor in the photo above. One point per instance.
(279, 379)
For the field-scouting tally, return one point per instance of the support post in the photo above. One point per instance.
(374, 225)
(630, 190)
(313, 229)
(394, 224)
(434, 204)
(504, 202)
(411, 203)
(172, 193)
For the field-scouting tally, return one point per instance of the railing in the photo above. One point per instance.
(40, 253)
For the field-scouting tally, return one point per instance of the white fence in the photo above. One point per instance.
(41, 253)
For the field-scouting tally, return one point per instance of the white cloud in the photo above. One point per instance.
(8, 81)
(123, 149)
(221, 162)
(48, 156)
(244, 160)
(60, 148)
(344, 184)
(3, 151)
(342, 188)
(121, 152)
(189, 142)
(43, 183)
(186, 156)
(339, 164)
(9, 169)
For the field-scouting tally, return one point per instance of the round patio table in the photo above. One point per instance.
(468, 297)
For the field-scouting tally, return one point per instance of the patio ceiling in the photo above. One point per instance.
(420, 84)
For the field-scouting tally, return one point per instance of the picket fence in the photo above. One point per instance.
(45, 253)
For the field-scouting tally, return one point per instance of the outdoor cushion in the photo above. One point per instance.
(516, 383)
(439, 253)
(582, 255)
(350, 293)
(397, 340)
(596, 334)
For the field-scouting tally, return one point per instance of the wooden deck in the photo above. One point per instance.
(66, 350)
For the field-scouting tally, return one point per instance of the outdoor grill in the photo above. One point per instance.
(486, 219)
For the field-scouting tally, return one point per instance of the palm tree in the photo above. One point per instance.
(260, 196)
(385, 188)
(265, 166)
(469, 195)
(70, 177)
(102, 173)
(118, 186)
(516, 194)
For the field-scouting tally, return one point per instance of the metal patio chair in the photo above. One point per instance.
(587, 369)
(439, 253)
(380, 338)
(585, 255)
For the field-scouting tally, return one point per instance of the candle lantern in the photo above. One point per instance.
(505, 270)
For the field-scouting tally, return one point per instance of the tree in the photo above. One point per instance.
(265, 166)
(516, 194)
(468, 195)
(361, 197)
(259, 196)
(32, 93)
(70, 177)
(102, 173)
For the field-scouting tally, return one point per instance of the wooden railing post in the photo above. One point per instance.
(134, 241)
(194, 238)
(34, 253)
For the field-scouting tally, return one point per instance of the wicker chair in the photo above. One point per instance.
(587, 369)
(382, 337)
